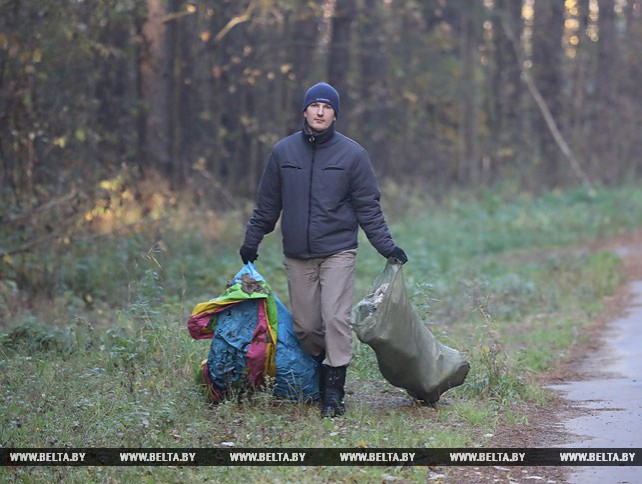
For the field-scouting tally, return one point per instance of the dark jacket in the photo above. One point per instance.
(324, 186)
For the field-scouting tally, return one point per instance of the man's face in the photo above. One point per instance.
(319, 116)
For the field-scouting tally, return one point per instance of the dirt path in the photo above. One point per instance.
(606, 395)
(610, 396)
(598, 401)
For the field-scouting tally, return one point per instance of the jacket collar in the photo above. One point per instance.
(317, 138)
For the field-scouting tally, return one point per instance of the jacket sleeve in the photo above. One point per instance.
(365, 201)
(268, 205)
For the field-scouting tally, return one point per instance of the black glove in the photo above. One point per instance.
(248, 254)
(398, 254)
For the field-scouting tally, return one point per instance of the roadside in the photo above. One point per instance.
(549, 426)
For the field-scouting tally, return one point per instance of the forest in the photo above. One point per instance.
(103, 101)
(506, 136)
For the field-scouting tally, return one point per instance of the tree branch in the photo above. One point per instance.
(234, 22)
(41, 208)
(543, 107)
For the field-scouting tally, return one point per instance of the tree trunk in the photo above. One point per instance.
(301, 40)
(156, 81)
(603, 138)
(547, 65)
(505, 120)
(468, 170)
(339, 55)
(374, 106)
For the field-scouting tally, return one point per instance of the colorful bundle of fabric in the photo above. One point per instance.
(252, 338)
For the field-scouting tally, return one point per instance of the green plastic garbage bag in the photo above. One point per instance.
(408, 354)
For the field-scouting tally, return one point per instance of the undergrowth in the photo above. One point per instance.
(106, 360)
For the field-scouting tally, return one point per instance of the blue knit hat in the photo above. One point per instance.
(322, 93)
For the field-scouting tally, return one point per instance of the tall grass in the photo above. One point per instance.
(109, 362)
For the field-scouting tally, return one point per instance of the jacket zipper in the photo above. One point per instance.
(312, 140)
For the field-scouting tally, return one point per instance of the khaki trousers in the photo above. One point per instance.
(321, 294)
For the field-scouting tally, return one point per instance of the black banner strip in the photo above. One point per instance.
(20, 457)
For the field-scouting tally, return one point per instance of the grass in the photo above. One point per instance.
(106, 361)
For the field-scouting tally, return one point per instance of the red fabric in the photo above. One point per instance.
(255, 356)
(199, 325)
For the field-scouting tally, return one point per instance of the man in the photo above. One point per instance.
(322, 185)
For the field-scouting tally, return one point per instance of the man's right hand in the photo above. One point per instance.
(248, 254)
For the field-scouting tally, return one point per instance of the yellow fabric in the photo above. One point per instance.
(212, 306)
(270, 349)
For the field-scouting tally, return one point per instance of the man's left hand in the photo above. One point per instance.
(399, 255)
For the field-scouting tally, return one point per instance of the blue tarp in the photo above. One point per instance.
(296, 372)
(226, 361)
(297, 375)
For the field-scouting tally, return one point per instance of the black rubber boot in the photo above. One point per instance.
(322, 375)
(334, 382)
